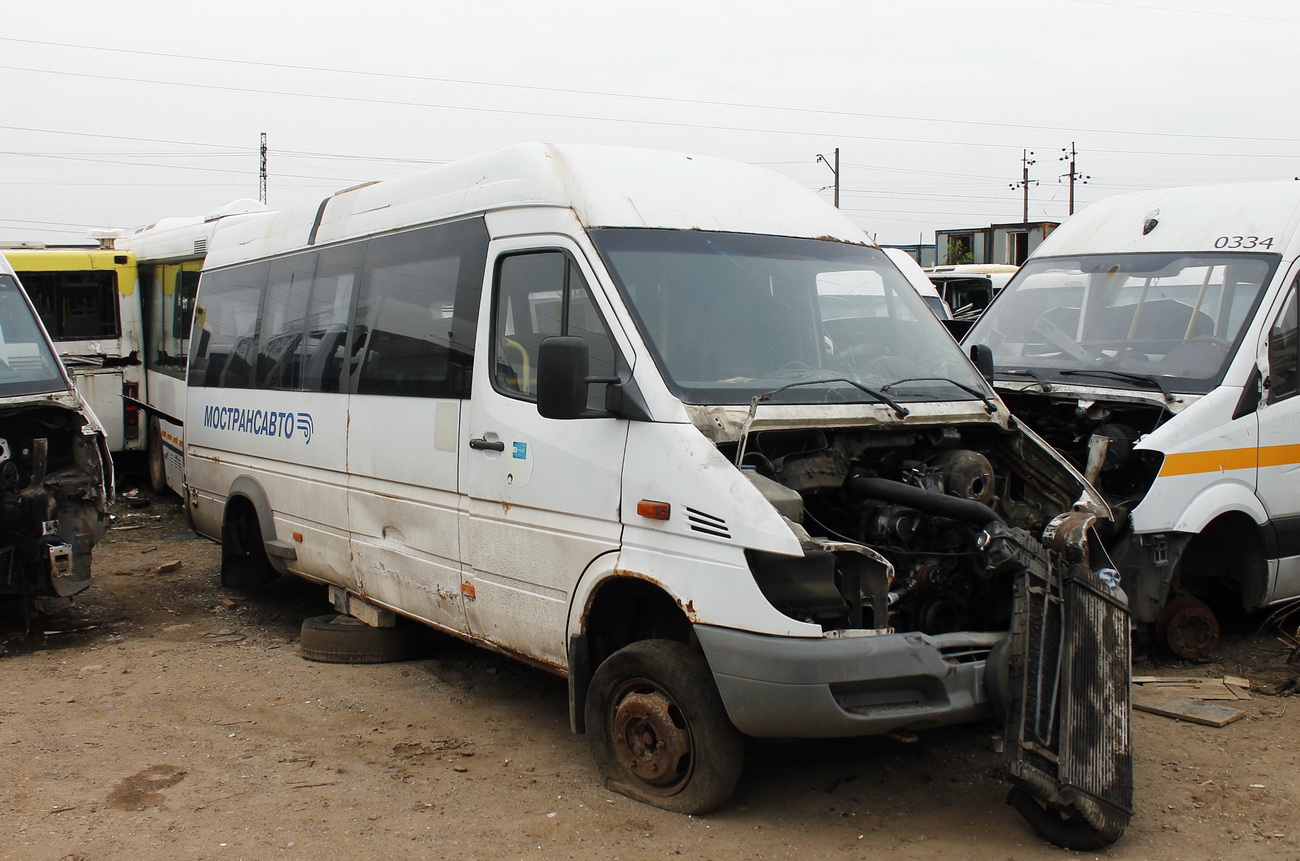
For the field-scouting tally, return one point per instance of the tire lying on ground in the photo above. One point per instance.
(338, 639)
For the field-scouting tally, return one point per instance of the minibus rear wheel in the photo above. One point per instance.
(244, 564)
(157, 464)
(659, 730)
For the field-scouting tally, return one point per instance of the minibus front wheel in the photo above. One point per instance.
(659, 730)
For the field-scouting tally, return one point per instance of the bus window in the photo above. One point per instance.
(75, 305)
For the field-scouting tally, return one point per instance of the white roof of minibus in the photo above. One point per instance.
(1186, 219)
(912, 270)
(603, 186)
(170, 238)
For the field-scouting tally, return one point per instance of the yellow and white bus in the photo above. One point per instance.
(89, 301)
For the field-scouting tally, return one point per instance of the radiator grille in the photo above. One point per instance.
(1070, 727)
(1096, 754)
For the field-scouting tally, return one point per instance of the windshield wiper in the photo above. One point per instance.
(1026, 372)
(988, 402)
(1149, 379)
(899, 410)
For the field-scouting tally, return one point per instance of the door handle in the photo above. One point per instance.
(487, 445)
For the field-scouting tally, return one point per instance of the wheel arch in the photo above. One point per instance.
(611, 608)
(1232, 548)
(1218, 500)
(247, 494)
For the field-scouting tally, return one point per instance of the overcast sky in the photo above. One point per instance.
(118, 115)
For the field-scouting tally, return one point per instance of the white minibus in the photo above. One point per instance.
(618, 413)
(56, 478)
(1152, 340)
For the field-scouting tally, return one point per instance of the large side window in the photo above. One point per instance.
(539, 294)
(75, 305)
(415, 322)
(1283, 343)
(224, 351)
(168, 298)
(284, 323)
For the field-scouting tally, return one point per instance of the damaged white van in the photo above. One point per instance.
(672, 428)
(55, 474)
(1152, 339)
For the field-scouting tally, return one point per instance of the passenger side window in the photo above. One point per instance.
(1283, 366)
(226, 346)
(540, 294)
(418, 311)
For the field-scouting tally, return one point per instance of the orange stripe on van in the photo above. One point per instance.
(1193, 462)
(1279, 455)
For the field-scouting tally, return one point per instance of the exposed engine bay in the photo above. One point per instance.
(944, 510)
(53, 506)
(1097, 438)
(963, 533)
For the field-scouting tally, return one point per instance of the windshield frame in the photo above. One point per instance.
(781, 287)
(20, 324)
(1104, 362)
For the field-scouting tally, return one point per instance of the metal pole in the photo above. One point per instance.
(261, 178)
(837, 177)
(1024, 182)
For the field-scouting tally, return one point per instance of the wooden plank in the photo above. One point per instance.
(1184, 708)
(1148, 680)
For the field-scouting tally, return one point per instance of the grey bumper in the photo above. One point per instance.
(792, 687)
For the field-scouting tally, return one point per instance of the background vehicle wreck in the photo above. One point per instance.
(55, 472)
(1151, 340)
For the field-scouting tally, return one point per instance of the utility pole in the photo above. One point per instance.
(261, 177)
(1025, 182)
(835, 170)
(1073, 174)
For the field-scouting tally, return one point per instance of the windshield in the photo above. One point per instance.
(730, 316)
(1171, 320)
(27, 365)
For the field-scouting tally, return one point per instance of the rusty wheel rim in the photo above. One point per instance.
(651, 737)
(1189, 626)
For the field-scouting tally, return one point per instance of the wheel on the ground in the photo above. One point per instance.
(1188, 627)
(244, 564)
(157, 465)
(338, 639)
(659, 730)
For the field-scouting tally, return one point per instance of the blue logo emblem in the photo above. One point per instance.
(260, 422)
(520, 451)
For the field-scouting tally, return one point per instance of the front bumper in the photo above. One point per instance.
(831, 687)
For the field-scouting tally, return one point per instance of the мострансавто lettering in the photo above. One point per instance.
(258, 422)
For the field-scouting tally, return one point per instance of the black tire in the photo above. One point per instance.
(244, 564)
(156, 462)
(1065, 830)
(659, 731)
(337, 639)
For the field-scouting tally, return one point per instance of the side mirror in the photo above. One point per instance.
(562, 367)
(981, 355)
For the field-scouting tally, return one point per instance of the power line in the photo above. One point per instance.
(1127, 5)
(566, 91)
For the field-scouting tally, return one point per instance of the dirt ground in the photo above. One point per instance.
(158, 715)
